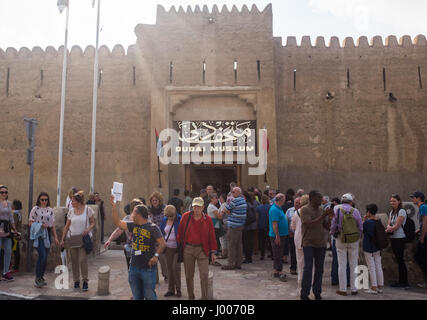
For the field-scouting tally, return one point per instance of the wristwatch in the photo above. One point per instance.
(156, 255)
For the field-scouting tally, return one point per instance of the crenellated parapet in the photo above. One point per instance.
(204, 10)
(362, 42)
(176, 15)
(75, 52)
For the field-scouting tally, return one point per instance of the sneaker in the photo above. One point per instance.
(422, 285)
(7, 277)
(400, 285)
(380, 290)
(76, 285)
(38, 283)
(44, 283)
(85, 286)
(370, 291)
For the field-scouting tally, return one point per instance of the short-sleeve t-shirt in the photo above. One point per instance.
(422, 213)
(215, 220)
(144, 243)
(79, 223)
(315, 235)
(276, 214)
(399, 233)
(42, 215)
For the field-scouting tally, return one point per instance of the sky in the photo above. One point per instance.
(30, 23)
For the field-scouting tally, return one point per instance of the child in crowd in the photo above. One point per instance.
(372, 253)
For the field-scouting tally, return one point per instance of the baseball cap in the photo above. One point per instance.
(198, 202)
(347, 196)
(417, 194)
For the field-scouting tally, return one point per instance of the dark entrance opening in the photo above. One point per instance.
(220, 176)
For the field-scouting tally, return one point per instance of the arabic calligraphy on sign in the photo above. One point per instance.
(216, 132)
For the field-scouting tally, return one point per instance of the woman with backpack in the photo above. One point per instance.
(371, 249)
(396, 221)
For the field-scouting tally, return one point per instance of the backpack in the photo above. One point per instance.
(409, 229)
(349, 230)
(380, 237)
(250, 215)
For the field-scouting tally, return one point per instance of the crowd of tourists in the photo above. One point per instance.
(291, 228)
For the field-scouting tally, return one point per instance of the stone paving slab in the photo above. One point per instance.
(254, 281)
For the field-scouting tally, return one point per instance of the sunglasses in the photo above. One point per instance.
(4, 192)
(44, 199)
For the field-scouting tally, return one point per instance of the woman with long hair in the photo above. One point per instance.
(80, 222)
(396, 221)
(42, 224)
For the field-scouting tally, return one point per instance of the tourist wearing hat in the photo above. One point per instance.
(347, 244)
(197, 235)
(418, 199)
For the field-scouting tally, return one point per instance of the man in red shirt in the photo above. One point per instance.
(197, 234)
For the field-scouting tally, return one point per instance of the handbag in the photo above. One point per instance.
(74, 242)
(87, 240)
(181, 245)
(221, 231)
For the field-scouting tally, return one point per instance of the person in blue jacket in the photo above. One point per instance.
(169, 229)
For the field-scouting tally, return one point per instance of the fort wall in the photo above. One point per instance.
(123, 128)
(338, 127)
(350, 116)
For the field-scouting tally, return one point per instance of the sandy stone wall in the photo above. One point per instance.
(357, 140)
(122, 121)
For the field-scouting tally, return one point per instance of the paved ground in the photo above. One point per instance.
(253, 282)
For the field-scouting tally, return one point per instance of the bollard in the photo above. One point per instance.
(210, 286)
(104, 281)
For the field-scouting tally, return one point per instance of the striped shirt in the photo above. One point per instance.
(237, 208)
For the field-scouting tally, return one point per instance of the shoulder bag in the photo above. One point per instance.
(170, 231)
